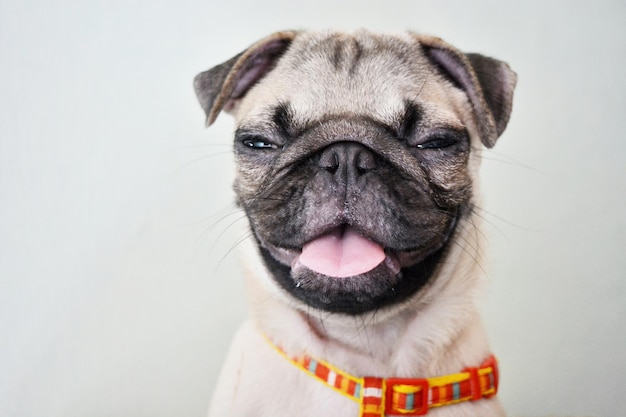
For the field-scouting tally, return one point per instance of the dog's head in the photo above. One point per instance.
(356, 157)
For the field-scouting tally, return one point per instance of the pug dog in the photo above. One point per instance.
(357, 157)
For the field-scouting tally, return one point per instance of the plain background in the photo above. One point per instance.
(119, 288)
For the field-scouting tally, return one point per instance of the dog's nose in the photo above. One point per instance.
(347, 161)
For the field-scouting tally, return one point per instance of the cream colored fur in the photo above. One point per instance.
(435, 332)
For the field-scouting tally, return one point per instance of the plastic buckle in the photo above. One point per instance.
(420, 396)
(491, 362)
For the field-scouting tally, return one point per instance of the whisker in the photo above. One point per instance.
(501, 158)
(502, 219)
(203, 235)
(223, 232)
(199, 159)
(205, 145)
(225, 211)
(238, 242)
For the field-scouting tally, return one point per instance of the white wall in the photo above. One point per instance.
(118, 288)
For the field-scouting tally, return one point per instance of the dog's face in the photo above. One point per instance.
(356, 157)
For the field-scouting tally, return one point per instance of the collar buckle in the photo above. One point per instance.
(406, 396)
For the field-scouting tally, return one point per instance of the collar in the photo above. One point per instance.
(380, 397)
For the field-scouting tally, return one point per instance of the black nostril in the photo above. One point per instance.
(329, 161)
(365, 161)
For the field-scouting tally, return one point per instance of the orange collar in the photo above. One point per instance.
(380, 397)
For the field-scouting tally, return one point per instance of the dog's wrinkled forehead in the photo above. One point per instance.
(336, 74)
(339, 74)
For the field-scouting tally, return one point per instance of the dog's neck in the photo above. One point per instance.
(397, 346)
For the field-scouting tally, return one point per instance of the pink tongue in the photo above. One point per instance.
(338, 255)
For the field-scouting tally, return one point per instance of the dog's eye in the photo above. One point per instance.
(438, 142)
(259, 143)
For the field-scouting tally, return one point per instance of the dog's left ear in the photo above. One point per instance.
(488, 83)
(221, 86)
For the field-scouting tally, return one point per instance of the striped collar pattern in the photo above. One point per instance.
(380, 397)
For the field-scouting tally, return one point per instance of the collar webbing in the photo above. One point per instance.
(380, 397)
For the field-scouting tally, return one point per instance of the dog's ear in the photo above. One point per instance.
(488, 83)
(221, 86)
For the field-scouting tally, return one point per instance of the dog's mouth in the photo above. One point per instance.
(343, 252)
(344, 271)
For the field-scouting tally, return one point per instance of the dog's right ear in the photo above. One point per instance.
(221, 86)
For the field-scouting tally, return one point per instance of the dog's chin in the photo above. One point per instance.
(399, 276)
